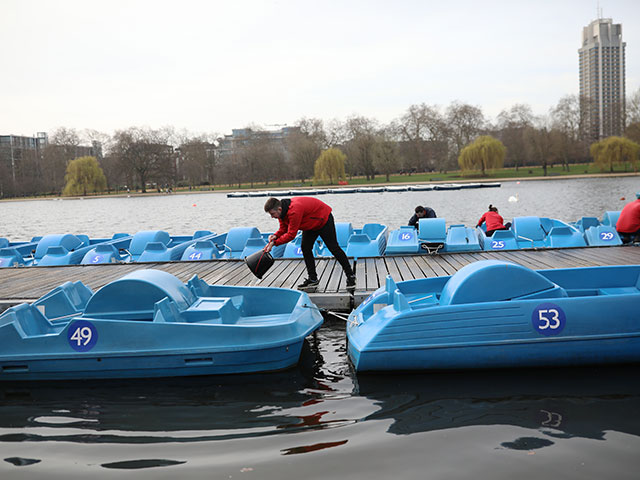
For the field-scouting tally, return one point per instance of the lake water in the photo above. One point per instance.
(183, 214)
(320, 420)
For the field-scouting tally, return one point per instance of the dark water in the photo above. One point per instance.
(320, 420)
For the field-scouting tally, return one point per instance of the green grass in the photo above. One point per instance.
(500, 174)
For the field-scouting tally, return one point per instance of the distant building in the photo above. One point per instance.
(14, 147)
(602, 79)
(242, 137)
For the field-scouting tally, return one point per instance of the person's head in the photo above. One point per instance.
(421, 212)
(493, 209)
(273, 207)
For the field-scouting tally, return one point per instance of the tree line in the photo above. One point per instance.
(425, 138)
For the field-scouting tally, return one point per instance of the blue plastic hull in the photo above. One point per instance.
(149, 324)
(204, 362)
(498, 315)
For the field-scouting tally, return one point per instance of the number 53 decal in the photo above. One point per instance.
(548, 319)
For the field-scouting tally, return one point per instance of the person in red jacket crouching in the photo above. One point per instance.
(628, 224)
(315, 219)
(494, 221)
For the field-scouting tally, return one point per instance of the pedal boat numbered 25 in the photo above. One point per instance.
(493, 314)
(150, 324)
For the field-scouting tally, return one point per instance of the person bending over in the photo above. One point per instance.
(315, 219)
(494, 221)
(628, 224)
(421, 212)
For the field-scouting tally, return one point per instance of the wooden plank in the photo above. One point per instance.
(392, 268)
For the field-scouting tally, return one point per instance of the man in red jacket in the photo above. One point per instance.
(315, 220)
(628, 224)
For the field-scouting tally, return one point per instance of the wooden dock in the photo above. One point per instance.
(27, 284)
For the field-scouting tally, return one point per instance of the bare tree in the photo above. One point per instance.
(146, 155)
(512, 124)
(465, 123)
(361, 145)
(424, 132)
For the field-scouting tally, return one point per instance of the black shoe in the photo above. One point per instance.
(351, 283)
(308, 285)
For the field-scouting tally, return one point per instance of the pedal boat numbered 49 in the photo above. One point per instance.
(493, 314)
(150, 324)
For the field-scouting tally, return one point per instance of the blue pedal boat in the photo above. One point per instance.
(493, 314)
(149, 324)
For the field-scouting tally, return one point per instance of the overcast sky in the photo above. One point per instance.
(210, 66)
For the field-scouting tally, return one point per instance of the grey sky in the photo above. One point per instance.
(210, 66)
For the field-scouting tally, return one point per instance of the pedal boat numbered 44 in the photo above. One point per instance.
(150, 324)
(493, 314)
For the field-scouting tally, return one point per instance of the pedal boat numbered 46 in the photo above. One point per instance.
(150, 324)
(493, 314)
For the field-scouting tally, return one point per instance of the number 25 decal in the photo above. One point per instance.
(548, 319)
(497, 244)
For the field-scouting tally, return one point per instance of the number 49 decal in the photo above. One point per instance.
(82, 335)
(548, 319)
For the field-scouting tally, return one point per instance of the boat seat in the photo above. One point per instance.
(68, 241)
(224, 310)
(618, 290)
(140, 240)
(610, 218)
(4, 243)
(493, 280)
(344, 230)
(67, 299)
(27, 320)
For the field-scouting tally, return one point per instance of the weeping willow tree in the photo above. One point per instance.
(329, 166)
(614, 150)
(485, 153)
(84, 175)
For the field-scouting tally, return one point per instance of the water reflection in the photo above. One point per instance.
(160, 410)
(559, 403)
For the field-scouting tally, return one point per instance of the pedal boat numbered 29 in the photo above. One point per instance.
(493, 314)
(150, 324)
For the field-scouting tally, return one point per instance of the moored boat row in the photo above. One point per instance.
(353, 189)
(372, 240)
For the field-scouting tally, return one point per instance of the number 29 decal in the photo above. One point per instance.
(548, 319)
(82, 336)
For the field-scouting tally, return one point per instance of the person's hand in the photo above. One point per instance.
(272, 237)
(268, 247)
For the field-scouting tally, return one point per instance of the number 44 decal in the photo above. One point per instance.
(548, 319)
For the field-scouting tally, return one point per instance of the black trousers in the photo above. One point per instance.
(328, 234)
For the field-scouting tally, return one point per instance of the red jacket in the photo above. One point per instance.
(493, 219)
(304, 213)
(629, 219)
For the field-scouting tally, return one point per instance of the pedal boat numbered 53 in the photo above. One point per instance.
(493, 314)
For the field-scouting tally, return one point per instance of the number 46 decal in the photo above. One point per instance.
(548, 319)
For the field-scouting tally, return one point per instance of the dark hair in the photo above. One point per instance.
(271, 204)
(419, 209)
(492, 208)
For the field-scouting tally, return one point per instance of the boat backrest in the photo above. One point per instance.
(610, 218)
(84, 239)
(237, 237)
(66, 240)
(27, 319)
(493, 280)
(344, 230)
(67, 299)
(140, 240)
(432, 230)
(201, 233)
(588, 222)
(133, 296)
(565, 236)
(10, 257)
(529, 227)
(373, 230)
(4, 243)
(201, 250)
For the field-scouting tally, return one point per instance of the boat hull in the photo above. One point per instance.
(206, 362)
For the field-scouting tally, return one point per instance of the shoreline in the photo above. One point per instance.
(227, 190)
